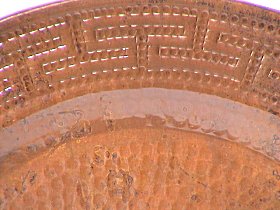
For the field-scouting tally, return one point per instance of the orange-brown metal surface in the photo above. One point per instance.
(145, 169)
(140, 104)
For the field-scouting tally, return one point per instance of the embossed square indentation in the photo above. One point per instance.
(268, 77)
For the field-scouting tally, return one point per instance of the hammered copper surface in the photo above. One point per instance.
(145, 169)
(140, 104)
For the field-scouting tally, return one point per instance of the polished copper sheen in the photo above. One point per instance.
(140, 104)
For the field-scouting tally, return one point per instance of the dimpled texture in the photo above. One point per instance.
(144, 169)
(72, 48)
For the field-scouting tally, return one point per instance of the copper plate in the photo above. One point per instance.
(133, 104)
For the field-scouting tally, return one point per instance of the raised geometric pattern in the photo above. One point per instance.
(135, 42)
